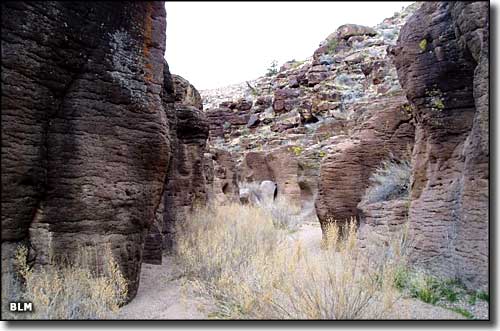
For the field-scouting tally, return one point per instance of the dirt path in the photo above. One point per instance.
(161, 293)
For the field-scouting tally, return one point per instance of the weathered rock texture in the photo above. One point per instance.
(387, 132)
(382, 223)
(85, 145)
(187, 184)
(282, 127)
(296, 180)
(225, 180)
(442, 62)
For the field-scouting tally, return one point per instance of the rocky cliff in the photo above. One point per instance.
(319, 127)
(412, 89)
(442, 63)
(186, 185)
(102, 145)
(85, 134)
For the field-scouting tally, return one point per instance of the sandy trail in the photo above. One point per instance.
(161, 293)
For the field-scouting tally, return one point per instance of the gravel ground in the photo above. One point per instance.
(161, 293)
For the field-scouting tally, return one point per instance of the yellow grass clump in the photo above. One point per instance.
(82, 289)
(251, 269)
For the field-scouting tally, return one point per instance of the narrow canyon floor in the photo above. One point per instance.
(162, 294)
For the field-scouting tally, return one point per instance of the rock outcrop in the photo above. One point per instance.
(442, 63)
(187, 184)
(296, 180)
(282, 127)
(382, 223)
(85, 148)
(225, 179)
(387, 132)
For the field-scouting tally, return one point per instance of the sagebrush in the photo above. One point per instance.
(63, 290)
(235, 256)
(390, 181)
(283, 213)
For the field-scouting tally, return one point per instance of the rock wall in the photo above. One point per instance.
(379, 125)
(387, 132)
(187, 184)
(382, 223)
(283, 127)
(290, 168)
(225, 180)
(85, 147)
(442, 63)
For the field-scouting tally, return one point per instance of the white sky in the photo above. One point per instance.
(214, 44)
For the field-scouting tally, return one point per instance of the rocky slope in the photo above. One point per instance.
(334, 116)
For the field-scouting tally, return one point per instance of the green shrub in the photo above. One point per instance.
(273, 69)
(332, 45)
(463, 312)
(401, 278)
(428, 288)
(483, 296)
(448, 291)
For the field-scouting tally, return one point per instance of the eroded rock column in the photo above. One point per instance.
(85, 138)
(442, 63)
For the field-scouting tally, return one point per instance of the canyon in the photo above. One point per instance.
(103, 146)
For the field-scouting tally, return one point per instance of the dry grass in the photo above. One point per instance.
(251, 191)
(390, 181)
(284, 214)
(235, 256)
(69, 291)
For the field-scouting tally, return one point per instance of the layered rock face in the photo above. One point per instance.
(345, 174)
(187, 184)
(442, 62)
(85, 136)
(225, 179)
(295, 179)
(341, 110)
(382, 223)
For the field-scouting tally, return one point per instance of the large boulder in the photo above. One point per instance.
(85, 147)
(347, 31)
(442, 63)
(269, 191)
